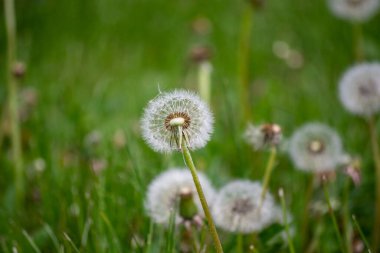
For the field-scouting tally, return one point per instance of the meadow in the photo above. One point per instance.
(92, 66)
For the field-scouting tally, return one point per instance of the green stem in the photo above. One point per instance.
(376, 157)
(189, 162)
(333, 218)
(268, 173)
(204, 80)
(10, 23)
(358, 42)
(346, 215)
(240, 243)
(285, 217)
(243, 60)
(361, 233)
(305, 223)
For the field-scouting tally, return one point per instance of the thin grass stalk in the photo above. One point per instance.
(333, 218)
(364, 239)
(358, 42)
(376, 158)
(285, 217)
(189, 163)
(243, 60)
(346, 216)
(10, 23)
(150, 237)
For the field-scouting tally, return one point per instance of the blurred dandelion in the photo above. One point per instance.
(316, 147)
(359, 89)
(263, 136)
(237, 208)
(172, 116)
(354, 10)
(165, 190)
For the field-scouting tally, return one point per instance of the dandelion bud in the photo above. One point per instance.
(18, 70)
(187, 207)
(199, 54)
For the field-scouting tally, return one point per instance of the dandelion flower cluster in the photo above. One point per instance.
(237, 207)
(263, 136)
(164, 192)
(354, 10)
(359, 89)
(172, 116)
(316, 147)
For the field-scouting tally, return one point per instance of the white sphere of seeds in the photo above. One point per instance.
(167, 111)
(237, 207)
(316, 147)
(354, 10)
(359, 89)
(164, 192)
(263, 136)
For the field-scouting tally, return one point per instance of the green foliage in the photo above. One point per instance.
(95, 64)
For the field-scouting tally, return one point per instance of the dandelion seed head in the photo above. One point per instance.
(316, 147)
(354, 10)
(169, 110)
(237, 207)
(263, 136)
(166, 189)
(359, 89)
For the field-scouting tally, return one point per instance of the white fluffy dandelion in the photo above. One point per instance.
(175, 116)
(316, 147)
(164, 192)
(359, 89)
(263, 136)
(354, 10)
(237, 207)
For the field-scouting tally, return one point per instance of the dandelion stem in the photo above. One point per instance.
(376, 157)
(240, 243)
(190, 164)
(268, 173)
(285, 217)
(361, 233)
(10, 23)
(243, 59)
(204, 80)
(333, 218)
(305, 223)
(357, 42)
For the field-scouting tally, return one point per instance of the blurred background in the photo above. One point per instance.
(92, 66)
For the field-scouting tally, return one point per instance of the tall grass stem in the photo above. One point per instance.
(376, 158)
(10, 23)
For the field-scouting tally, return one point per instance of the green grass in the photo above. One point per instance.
(95, 65)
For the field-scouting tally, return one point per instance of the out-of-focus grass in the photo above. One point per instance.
(95, 64)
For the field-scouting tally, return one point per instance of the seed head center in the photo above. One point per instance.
(316, 146)
(177, 119)
(242, 206)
